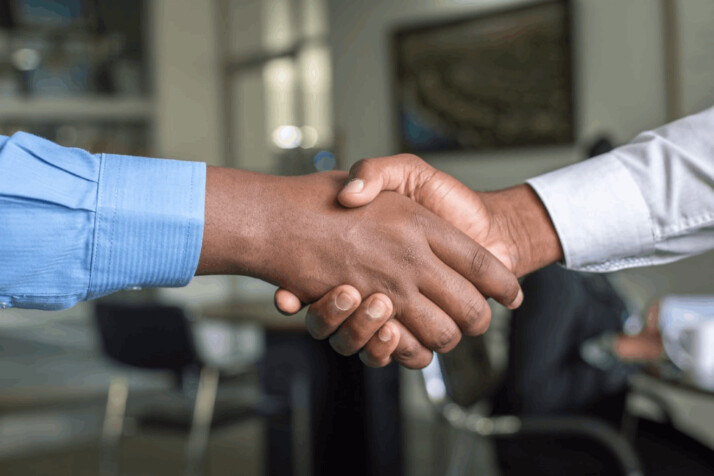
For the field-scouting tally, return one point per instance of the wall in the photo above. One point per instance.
(619, 81)
(186, 80)
(620, 87)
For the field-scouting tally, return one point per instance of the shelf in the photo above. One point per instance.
(74, 109)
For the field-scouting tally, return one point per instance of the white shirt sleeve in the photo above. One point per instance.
(645, 203)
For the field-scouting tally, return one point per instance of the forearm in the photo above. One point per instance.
(522, 221)
(78, 226)
(645, 203)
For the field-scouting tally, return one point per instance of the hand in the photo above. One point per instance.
(645, 346)
(350, 325)
(512, 224)
(291, 231)
(524, 240)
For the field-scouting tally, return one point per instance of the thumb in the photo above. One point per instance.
(286, 302)
(363, 185)
(368, 177)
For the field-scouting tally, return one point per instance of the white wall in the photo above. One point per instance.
(186, 80)
(619, 84)
(620, 88)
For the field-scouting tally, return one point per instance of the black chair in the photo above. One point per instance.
(456, 381)
(156, 337)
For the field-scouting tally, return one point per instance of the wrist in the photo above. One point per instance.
(522, 223)
(235, 229)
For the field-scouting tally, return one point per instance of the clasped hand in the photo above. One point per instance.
(430, 285)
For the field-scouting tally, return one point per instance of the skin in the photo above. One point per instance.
(512, 224)
(425, 275)
(645, 346)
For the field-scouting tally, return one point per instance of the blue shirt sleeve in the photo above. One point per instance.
(76, 226)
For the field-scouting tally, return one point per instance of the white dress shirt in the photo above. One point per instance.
(645, 203)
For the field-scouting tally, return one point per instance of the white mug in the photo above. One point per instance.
(678, 314)
(697, 343)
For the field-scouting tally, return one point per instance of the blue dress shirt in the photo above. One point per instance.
(76, 226)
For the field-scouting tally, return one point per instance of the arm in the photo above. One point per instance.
(291, 231)
(648, 202)
(79, 226)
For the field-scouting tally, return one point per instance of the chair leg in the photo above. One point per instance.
(300, 415)
(202, 418)
(460, 453)
(113, 426)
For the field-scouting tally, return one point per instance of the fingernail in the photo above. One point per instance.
(355, 186)
(344, 301)
(377, 308)
(385, 335)
(518, 301)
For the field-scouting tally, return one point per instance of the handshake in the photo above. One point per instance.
(397, 259)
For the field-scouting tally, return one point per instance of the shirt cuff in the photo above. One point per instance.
(599, 213)
(149, 223)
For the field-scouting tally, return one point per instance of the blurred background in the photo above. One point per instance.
(490, 91)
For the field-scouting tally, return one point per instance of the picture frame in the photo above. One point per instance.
(496, 80)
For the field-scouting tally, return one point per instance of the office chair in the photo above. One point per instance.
(457, 381)
(158, 337)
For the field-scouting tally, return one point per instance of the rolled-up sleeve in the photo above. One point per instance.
(76, 226)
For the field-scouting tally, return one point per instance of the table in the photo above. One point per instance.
(671, 396)
(668, 374)
(672, 426)
(350, 412)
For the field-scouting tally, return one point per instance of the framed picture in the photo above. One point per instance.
(498, 80)
(54, 14)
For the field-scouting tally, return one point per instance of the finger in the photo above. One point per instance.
(652, 321)
(433, 328)
(325, 315)
(286, 302)
(410, 352)
(378, 351)
(368, 177)
(477, 264)
(458, 298)
(364, 322)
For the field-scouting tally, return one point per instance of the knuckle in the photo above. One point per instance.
(445, 339)
(373, 361)
(356, 338)
(478, 318)
(408, 352)
(413, 257)
(417, 220)
(481, 326)
(511, 290)
(418, 362)
(361, 166)
(338, 345)
(315, 327)
(346, 340)
(375, 352)
(411, 158)
(478, 261)
(394, 287)
(321, 326)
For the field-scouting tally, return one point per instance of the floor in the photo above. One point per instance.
(237, 450)
(52, 393)
(232, 451)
